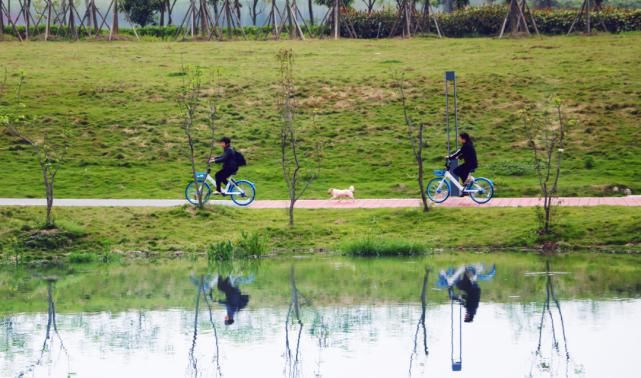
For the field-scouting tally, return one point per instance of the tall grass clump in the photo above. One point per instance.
(249, 246)
(377, 247)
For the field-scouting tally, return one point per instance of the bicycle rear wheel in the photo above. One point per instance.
(243, 193)
(438, 189)
(482, 190)
(192, 196)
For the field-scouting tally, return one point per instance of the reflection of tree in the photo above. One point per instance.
(294, 316)
(547, 312)
(420, 326)
(193, 360)
(292, 359)
(51, 324)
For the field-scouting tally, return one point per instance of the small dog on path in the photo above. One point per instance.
(342, 193)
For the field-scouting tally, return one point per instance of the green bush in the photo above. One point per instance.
(487, 21)
(509, 168)
(250, 246)
(81, 257)
(221, 251)
(375, 247)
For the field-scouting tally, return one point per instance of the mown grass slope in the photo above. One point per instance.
(119, 99)
(165, 231)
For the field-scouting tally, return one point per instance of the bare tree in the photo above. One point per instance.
(192, 105)
(291, 156)
(415, 136)
(255, 10)
(545, 135)
(50, 154)
(369, 5)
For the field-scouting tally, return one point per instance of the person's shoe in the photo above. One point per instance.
(217, 193)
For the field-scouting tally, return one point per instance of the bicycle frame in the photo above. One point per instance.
(231, 183)
(449, 177)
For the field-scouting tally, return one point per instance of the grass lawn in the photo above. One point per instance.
(167, 231)
(119, 99)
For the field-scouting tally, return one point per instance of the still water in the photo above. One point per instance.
(572, 316)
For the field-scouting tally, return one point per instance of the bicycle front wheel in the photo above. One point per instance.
(438, 189)
(243, 193)
(482, 190)
(192, 196)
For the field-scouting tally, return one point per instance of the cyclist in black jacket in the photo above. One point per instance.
(468, 153)
(228, 160)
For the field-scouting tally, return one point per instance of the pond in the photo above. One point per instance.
(571, 315)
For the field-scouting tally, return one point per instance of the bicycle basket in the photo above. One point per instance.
(201, 176)
(439, 172)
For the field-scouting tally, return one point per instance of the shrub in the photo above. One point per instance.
(81, 257)
(250, 246)
(509, 168)
(221, 251)
(588, 162)
(372, 247)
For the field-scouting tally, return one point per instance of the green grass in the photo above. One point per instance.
(377, 247)
(178, 231)
(119, 98)
(326, 281)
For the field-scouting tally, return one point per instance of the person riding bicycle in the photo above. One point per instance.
(468, 153)
(229, 162)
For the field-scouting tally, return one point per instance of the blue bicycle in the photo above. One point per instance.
(241, 192)
(480, 190)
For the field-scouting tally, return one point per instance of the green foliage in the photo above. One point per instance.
(382, 247)
(81, 257)
(250, 245)
(141, 12)
(487, 21)
(220, 251)
(588, 162)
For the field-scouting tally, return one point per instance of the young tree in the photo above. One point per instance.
(545, 133)
(50, 153)
(297, 178)
(141, 12)
(192, 106)
(370, 4)
(415, 136)
(255, 10)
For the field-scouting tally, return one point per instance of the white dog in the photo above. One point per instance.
(342, 193)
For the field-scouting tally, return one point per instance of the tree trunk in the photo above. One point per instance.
(162, 14)
(114, 24)
(421, 173)
(292, 202)
(1, 18)
(310, 5)
(253, 12)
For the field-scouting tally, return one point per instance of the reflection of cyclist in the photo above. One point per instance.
(234, 299)
(465, 279)
(471, 295)
(229, 162)
(468, 153)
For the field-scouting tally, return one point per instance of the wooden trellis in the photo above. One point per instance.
(516, 17)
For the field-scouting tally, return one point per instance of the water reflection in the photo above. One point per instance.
(420, 327)
(203, 287)
(342, 317)
(48, 345)
(543, 361)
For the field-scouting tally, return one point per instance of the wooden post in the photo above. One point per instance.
(337, 25)
(114, 22)
(48, 26)
(2, 18)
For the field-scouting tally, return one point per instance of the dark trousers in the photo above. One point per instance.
(222, 176)
(463, 171)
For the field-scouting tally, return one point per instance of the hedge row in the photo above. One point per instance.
(472, 21)
(487, 21)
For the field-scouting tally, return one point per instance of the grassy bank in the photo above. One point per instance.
(326, 281)
(119, 99)
(180, 231)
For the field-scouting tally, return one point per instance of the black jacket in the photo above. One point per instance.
(228, 160)
(472, 295)
(234, 299)
(468, 153)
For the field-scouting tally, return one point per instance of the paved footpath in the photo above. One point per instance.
(329, 204)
